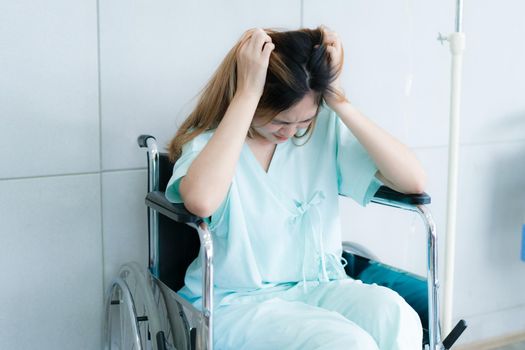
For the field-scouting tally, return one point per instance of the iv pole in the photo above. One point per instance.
(457, 46)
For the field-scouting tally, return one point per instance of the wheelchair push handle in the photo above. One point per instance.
(142, 140)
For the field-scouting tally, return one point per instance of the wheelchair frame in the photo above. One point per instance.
(200, 322)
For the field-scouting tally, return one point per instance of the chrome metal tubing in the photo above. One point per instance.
(153, 164)
(206, 329)
(432, 264)
(459, 15)
(127, 299)
(153, 185)
(432, 279)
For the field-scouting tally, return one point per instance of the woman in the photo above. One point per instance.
(270, 146)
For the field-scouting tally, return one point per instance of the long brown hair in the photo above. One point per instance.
(298, 64)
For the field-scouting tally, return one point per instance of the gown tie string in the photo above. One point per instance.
(309, 222)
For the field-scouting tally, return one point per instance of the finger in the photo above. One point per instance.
(324, 28)
(267, 50)
(245, 38)
(329, 36)
(332, 39)
(334, 57)
(242, 43)
(331, 51)
(336, 45)
(259, 38)
(259, 41)
(249, 34)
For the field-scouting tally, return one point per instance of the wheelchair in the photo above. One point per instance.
(143, 310)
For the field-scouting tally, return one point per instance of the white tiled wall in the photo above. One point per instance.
(394, 68)
(489, 272)
(494, 88)
(125, 219)
(389, 43)
(50, 258)
(81, 81)
(156, 57)
(48, 88)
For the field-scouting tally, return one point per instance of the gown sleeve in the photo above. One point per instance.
(190, 151)
(355, 168)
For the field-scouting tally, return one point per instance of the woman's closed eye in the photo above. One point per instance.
(304, 124)
(300, 124)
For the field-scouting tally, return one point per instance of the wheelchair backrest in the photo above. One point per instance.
(178, 243)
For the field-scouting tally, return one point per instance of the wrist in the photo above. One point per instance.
(246, 103)
(339, 104)
(247, 95)
(335, 95)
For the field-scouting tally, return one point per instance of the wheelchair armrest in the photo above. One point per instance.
(386, 195)
(178, 212)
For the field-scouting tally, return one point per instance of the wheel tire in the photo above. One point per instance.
(135, 298)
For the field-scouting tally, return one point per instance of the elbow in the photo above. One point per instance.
(419, 184)
(418, 189)
(414, 184)
(195, 202)
(198, 205)
(199, 208)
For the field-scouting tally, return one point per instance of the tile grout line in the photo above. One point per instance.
(72, 174)
(490, 312)
(301, 9)
(102, 171)
(99, 87)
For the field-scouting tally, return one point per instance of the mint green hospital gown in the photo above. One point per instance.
(278, 275)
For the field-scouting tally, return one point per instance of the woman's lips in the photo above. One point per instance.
(280, 138)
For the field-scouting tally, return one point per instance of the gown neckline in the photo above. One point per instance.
(271, 165)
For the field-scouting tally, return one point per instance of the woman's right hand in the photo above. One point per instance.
(252, 62)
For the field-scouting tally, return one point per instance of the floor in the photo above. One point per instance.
(519, 345)
(516, 346)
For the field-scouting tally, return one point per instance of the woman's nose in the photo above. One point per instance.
(289, 131)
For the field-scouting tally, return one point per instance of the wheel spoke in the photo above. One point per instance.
(149, 311)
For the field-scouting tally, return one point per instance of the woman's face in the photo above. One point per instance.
(287, 123)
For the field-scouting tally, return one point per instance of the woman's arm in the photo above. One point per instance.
(397, 164)
(208, 179)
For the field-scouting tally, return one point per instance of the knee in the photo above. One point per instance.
(403, 320)
(352, 338)
(397, 307)
(364, 342)
(385, 315)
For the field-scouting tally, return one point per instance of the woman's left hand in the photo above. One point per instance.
(334, 48)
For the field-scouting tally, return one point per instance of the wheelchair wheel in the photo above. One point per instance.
(136, 316)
